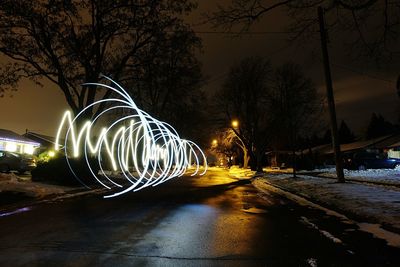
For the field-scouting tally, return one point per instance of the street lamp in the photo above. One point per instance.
(235, 123)
(235, 130)
(214, 142)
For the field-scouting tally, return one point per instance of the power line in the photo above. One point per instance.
(244, 32)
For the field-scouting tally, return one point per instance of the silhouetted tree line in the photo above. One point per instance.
(274, 106)
(377, 126)
(352, 19)
(144, 45)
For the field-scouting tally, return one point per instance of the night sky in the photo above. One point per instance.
(360, 88)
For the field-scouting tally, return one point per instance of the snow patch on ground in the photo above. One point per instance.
(240, 172)
(390, 176)
(263, 185)
(376, 204)
(377, 231)
(8, 177)
(312, 262)
(12, 182)
(328, 235)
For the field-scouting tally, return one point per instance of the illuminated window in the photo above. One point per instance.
(11, 146)
(28, 149)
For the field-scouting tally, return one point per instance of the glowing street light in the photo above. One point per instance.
(214, 142)
(235, 123)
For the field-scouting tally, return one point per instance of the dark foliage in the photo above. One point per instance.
(245, 97)
(378, 127)
(57, 171)
(144, 45)
(272, 106)
(370, 26)
(345, 134)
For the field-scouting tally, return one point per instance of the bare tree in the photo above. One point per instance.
(228, 142)
(224, 145)
(234, 138)
(295, 104)
(72, 42)
(245, 97)
(348, 16)
(169, 86)
(344, 16)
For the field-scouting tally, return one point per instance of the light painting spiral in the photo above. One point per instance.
(141, 149)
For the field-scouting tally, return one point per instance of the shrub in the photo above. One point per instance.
(57, 171)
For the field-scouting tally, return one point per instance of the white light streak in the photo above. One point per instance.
(143, 150)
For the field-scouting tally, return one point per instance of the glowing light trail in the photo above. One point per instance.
(144, 150)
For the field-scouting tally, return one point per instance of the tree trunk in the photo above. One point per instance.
(253, 161)
(246, 159)
(294, 163)
(259, 161)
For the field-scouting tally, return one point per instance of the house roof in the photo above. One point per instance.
(386, 141)
(322, 149)
(8, 135)
(44, 140)
(371, 143)
(395, 145)
(392, 141)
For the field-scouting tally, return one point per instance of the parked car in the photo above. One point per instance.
(370, 160)
(16, 162)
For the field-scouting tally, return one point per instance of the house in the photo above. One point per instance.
(13, 142)
(394, 150)
(46, 142)
(391, 146)
(47, 145)
(323, 155)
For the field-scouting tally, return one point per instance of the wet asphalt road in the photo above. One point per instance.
(214, 220)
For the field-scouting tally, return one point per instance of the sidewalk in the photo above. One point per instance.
(374, 205)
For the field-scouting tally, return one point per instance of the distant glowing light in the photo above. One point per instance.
(235, 123)
(144, 150)
(51, 153)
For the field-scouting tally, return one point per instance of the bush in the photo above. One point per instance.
(57, 171)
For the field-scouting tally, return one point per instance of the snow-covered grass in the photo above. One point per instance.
(375, 204)
(240, 172)
(389, 176)
(278, 170)
(12, 182)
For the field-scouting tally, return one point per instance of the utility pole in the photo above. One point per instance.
(330, 97)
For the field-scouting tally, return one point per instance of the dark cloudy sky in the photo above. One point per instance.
(359, 88)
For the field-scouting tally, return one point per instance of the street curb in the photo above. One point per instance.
(334, 208)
